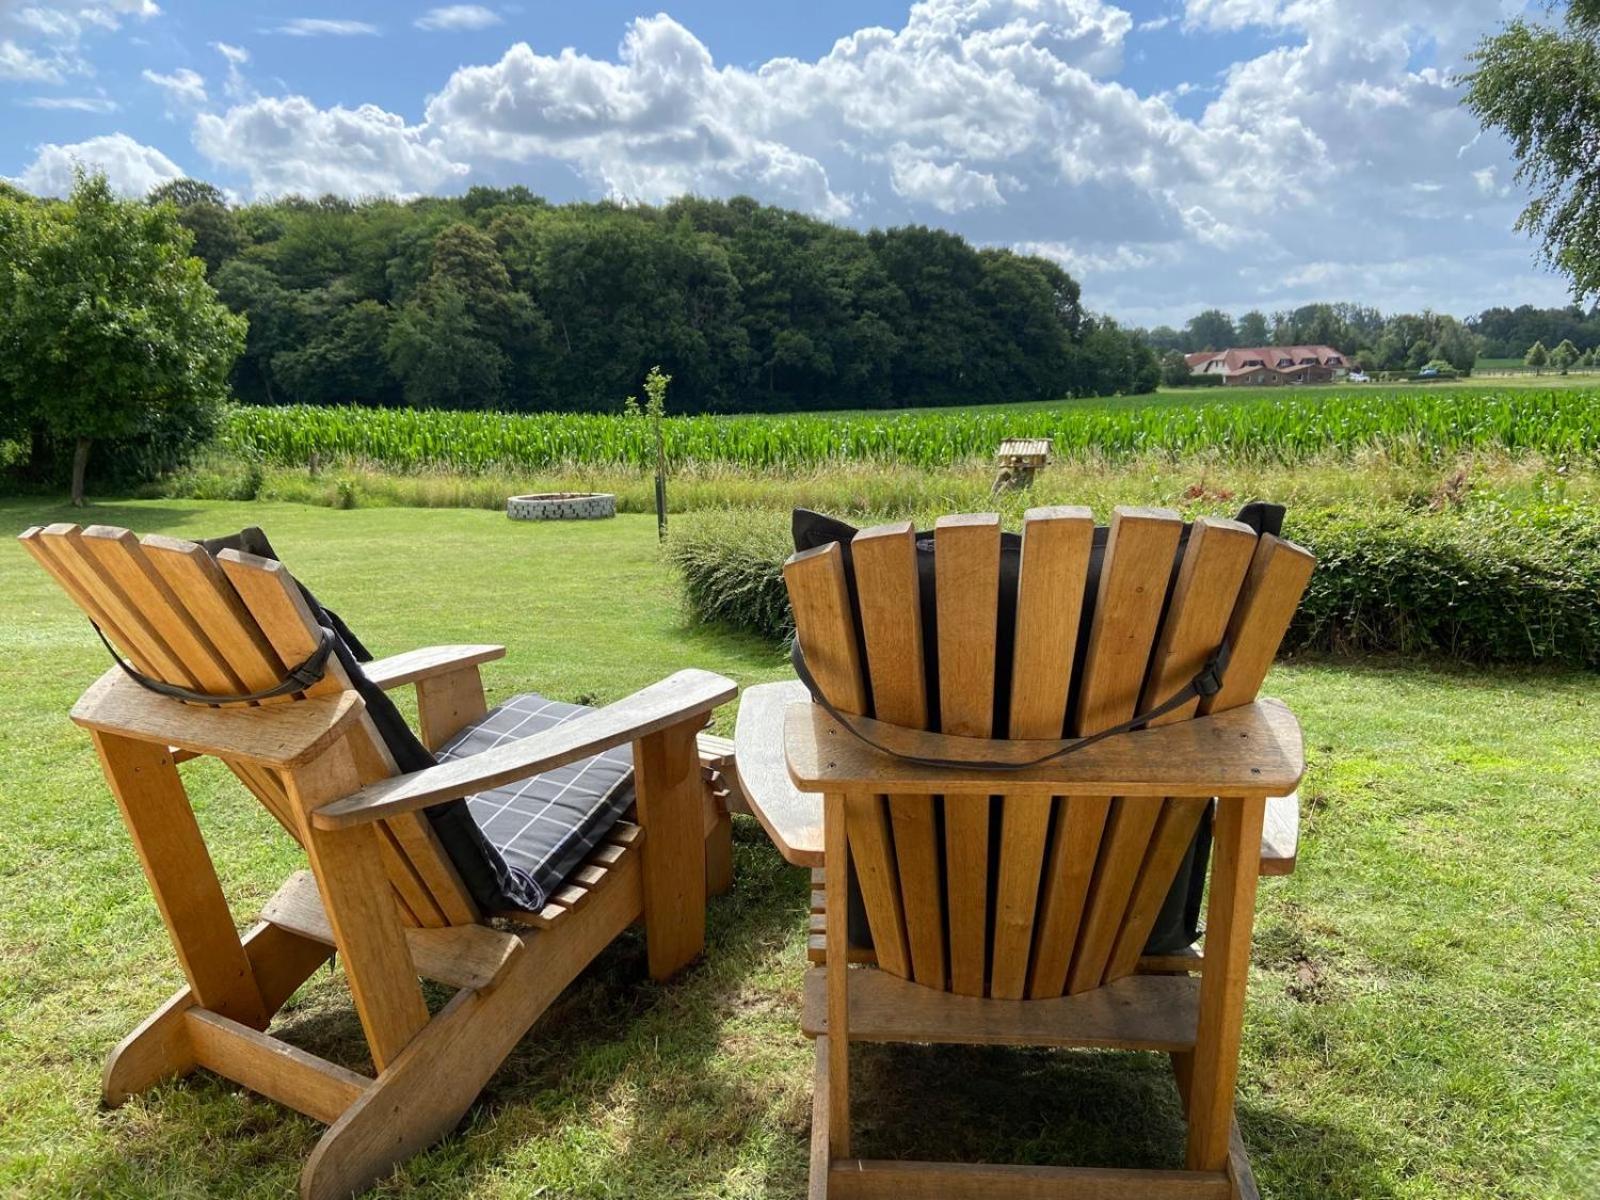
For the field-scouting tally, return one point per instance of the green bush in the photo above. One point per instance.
(1483, 583)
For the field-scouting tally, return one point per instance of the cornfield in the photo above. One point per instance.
(1284, 428)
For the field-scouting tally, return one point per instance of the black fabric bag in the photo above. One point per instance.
(1178, 925)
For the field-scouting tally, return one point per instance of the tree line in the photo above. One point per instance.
(498, 299)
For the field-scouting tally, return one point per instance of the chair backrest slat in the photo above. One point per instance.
(1016, 896)
(889, 593)
(1056, 544)
(967, 592)
(194, 575)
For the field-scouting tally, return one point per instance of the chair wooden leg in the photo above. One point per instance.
(160, 1047)
(671, 793)
(719, 857)
(427, 1089)
(177, 865)
(1230, 917)
(821, 1096)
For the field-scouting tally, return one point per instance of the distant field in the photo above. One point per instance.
(1286, 425)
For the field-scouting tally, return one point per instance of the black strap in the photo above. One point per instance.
(298, 679)
(1206, 683)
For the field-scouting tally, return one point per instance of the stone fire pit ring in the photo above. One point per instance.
(562, 506)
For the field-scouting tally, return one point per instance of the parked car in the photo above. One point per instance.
(1428, 373)
(1358, 377)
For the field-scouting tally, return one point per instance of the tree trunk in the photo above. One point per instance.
(80, 464)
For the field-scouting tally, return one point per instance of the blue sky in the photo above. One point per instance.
(1174, 154)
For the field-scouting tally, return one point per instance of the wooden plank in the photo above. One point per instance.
(360, 907)
(836, 994)
(1277, 579)
(320, 1089)
(447, 703)
(666, 774)
(1230, 917)
(792, 818)
(460, 956)
(821, 1090)
(967, 565)
(1175, 826)
(888, 592)
(1141, 1012)
(1213, 567)
(118, 617)
(1239, 1172)
(651, 709)
(819, 595)
(1050, 588)
(892, 1179)
(1133, 587)
(122, 559)
(197, 580)
(183, 881)
(286, 735)
(1256, 750)
(427, 662)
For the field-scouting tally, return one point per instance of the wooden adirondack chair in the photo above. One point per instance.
(380, 889)
(1013, 907)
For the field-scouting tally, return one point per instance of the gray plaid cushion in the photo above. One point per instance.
(544, 826)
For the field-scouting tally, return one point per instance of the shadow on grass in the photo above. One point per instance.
(702, 1088)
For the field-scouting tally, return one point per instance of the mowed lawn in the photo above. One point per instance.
(1422, 1010)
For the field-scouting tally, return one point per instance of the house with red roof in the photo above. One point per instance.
(1270, 365)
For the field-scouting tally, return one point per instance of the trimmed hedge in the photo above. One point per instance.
(1483, 584)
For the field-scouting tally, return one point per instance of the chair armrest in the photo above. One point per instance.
(1253, 750)
(675, 699)
(426, 663)
(290, 734)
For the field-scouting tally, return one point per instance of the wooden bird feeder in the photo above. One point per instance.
(1019, 459)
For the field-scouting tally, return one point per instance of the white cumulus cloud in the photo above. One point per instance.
(287, 144)
(131, 167)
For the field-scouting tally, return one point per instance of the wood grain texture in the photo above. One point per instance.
(1254, 750)
(666, 775)
(447, 703)
(792, 818)
(1230, 918)
(1133, 585)
(836, 993)
(320, 1089)
(1213, 567)
(360, 907)
(677, 698)
(427, 662)
(819, 593)
(1143, 1012)
(967, 566)
(889, 594)
(183, 881)
(282, 735)
(459, 956)
(1050, 589)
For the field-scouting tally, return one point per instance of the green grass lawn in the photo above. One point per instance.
(1422, 1008)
